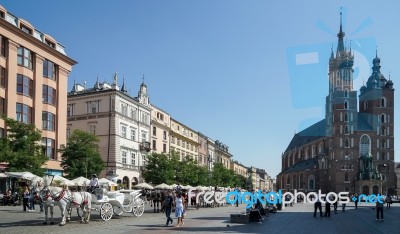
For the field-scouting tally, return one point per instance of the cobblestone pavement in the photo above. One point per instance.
(296, 219)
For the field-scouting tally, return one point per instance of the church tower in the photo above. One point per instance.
(341, 102)
(142, 94)
(341, 116)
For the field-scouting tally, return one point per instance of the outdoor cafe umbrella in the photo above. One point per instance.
(144, 185)
(162, 186)
(81, 181)
(21, 175)
(62, 180)
(108, 182)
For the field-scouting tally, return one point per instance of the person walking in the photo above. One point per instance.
(379, 209)
(388, 201)
(168, 203)
(26, 199)
(327, 208)
(355, 199)
(179, 209)
(335, 206)
(318, 206)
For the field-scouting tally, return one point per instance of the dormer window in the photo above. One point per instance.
(26, 29)
(51, 44)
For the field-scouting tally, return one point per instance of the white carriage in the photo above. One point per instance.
(109, 203)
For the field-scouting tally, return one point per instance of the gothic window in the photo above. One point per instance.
(383, 130)
(346, 105)
(346, 93)
(383, 144)
(346, 117)
(383, 102)
(383, 118)
(365, 105)
(346, 143)
(346, 130)
(311, 182)
(365, 145)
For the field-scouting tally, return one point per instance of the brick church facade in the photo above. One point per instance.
(352, 149)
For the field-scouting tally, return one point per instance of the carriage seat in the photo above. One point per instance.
(100, 193)
(113, 194)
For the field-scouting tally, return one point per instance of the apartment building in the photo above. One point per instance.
(160, 130)
(34, 71)
(121, 122)
(184, 140)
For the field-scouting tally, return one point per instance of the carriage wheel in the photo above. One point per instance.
(138, 207)
(118, 210)
(79, 211)
(106, 211)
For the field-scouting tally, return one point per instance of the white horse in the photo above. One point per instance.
(51, 196)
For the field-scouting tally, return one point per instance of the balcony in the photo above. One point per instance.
(145, 146)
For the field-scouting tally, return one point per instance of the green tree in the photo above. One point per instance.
(241, 181)
(81, 156)
(157, 169)
(21, 148)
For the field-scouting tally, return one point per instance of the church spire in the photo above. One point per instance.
(73, 87)
(340, 36)
(97, 84)
(123, 89)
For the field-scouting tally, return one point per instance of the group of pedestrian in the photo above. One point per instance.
(318, 207)
(179, 204)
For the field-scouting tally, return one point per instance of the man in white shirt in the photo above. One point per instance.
(94, 182)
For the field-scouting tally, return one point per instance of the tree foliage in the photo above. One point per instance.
(162, 168)
(22, 148)
(81, 156)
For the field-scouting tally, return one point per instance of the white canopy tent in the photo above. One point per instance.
(144, 185)
(81, 181)
(108, 182)
(21, 175)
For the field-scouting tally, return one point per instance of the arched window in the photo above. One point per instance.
(346, 130)
(346, 117)
(383, 102)
(365, 145)
(383, 118)
(346, 93)
(311, 182)
(346, 143)
(383, 130)
(365, 105)
(346, 177)
(346, 105)
(383, 144)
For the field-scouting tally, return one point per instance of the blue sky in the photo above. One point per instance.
(225, 68)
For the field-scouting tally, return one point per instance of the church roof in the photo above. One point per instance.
(310, 134)
(303, 165)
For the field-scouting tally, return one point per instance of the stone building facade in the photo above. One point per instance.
(120, 121)
(34, 71)
(352, 149)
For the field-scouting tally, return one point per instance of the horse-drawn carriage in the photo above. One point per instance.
(109, 203)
